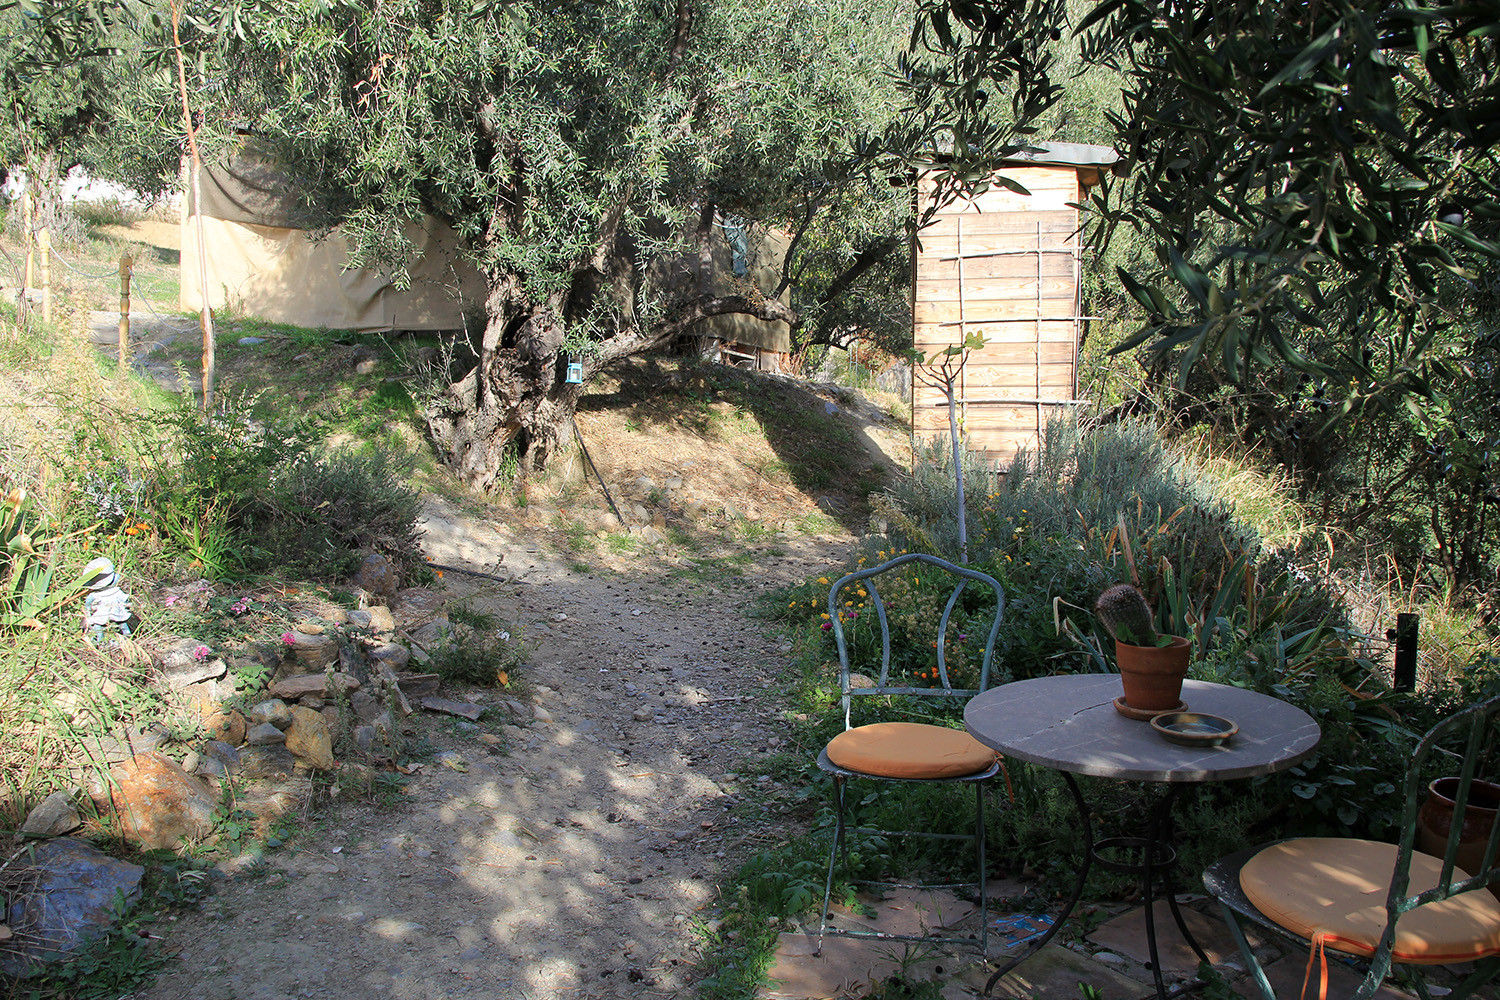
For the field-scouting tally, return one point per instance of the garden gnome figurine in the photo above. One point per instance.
(107, 607)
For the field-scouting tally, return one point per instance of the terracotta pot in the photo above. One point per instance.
(1435, 820)
(1152, 675)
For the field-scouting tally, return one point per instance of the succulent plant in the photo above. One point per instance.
(1124, 611)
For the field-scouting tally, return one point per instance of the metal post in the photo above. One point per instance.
(1406, 652)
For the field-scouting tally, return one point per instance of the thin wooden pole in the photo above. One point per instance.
(28, 226)
(205, 315)
(44, 244)
(125, 267)
(28, 280)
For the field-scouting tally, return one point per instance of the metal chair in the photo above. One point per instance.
(900, 751)
(1384, 903)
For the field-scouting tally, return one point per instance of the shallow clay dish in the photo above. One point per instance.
(1145, 714)
(1194, 729)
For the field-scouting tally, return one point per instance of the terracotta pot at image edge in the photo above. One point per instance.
(1435, 820)
(1152, 675)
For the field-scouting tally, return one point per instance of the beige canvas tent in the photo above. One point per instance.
(265, 258)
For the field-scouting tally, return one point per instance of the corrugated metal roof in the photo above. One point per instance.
(1074, 154)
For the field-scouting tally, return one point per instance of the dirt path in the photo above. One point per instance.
(576, 864)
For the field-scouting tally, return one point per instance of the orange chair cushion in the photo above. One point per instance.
(1336, 887)
(909, 750)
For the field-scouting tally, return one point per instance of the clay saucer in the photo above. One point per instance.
(1145, 714)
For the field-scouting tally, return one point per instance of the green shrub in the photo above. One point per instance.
(323, 510)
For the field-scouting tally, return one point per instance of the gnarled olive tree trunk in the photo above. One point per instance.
(516, 403)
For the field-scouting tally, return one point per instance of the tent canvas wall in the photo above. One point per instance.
(264, 258)
(1007, 266)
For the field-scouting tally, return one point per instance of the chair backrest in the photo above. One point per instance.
(1467, 738)
(844, 609)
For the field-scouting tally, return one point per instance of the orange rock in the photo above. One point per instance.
(308, 738)
(227, 726)
(158, 803)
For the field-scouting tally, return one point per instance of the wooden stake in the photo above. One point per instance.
(205, 315)
(44, 244)
(28, 227)
(125, 266)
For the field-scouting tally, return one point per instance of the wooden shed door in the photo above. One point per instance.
(1005, 266)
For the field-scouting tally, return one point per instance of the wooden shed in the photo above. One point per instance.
(1007, 266)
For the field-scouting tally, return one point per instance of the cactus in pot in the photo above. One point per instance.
(1124, 611)
(1152, 666)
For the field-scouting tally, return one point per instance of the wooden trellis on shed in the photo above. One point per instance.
(1006, 266)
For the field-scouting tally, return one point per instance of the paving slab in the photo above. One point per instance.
(1286, 976)
(846, 967)
(908, 911)
(1126, 935)
(1056, 971)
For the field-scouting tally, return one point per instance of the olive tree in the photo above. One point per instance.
(584, 152)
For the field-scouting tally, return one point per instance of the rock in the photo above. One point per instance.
(314, 652)
(228, 726)
(206, 767)
(463, 709)
(652, 535)
(365, 737)
(392, 654)
(54, 817)
(643, 714)
(382, 622)
(313, 685)
(394, 695)
(352, 662)
(434, 633)
(365, 366)
(644, 484)
(273, 761)
(384, 724)
(182, 663)
(71, 903)
(540, 714)
(365, 706)
(159, 804)
(360, 618)
(308, 737)
(418, 685)
(377, 574)
(273, 712)
(453, 761)
(310, 627)
(117, 749)
(332, 717)
(264, 735)
(223, 753)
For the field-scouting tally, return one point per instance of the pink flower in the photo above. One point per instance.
(200, 653)
(288, 638)
(827, 626)
(171, 599)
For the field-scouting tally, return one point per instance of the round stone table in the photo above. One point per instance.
(1069, 723)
